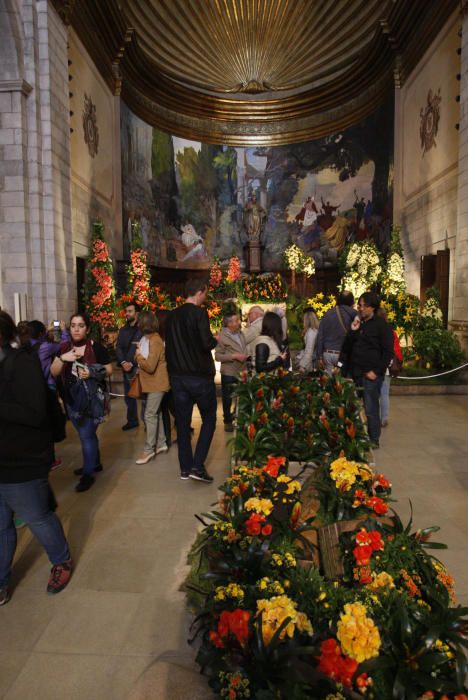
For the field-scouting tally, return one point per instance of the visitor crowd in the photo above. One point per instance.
(49, 375)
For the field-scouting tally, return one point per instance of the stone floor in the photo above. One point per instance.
(119, 631)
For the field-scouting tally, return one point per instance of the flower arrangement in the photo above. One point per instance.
(321, 303)
(393, 277)
(364, 636)
(263, 288)
(139, 287)
(271, 625)
(297, 261)
(99, 287)
(234, 270)
(362, 267)
(304, 419)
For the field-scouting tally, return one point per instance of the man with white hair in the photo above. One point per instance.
(253, 328)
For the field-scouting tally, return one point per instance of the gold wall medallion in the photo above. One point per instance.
(430, 117)
(90, 127)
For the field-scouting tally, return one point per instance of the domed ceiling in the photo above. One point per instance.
(255, 71)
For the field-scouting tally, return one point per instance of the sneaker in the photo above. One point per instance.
(201, 475)
(56, 464)
(60, 575)
(184, 476)
(79, 471)
(160, 450)
(145, 458)
(130, 426)
(84, 483)
(228, 428)
(4, 596)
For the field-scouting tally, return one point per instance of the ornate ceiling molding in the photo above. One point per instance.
(256, 71)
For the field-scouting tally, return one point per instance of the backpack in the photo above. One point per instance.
(56, 416)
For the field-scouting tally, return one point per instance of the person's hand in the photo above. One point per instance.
(127, 366)
(355, 323)
(69, 356)
(83, 373)
(239, 356)
(284, 354)
(301, 370)
(63, 326)
(371, 375)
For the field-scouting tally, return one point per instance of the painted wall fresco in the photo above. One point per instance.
(190, 197)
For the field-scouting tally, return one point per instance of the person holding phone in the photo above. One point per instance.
(127, 343)
(83, 366)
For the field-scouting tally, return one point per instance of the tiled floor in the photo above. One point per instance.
(119, 630)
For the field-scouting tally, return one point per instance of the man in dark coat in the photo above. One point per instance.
(127, 341)
(367, 351)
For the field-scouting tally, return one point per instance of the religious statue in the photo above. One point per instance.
(254, 218)
(254, 221)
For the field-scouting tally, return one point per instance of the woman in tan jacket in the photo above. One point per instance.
(154, 380)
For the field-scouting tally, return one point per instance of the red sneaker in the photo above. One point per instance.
(60, 575)
(56, 464)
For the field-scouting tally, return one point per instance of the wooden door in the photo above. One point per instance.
(442, 280)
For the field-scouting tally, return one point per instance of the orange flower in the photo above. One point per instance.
(273, 465)
(350, 428)
(251, 432)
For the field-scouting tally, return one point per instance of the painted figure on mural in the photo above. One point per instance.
(254, 218)
(308, 214)
(193, 242)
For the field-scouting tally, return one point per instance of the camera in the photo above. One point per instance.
(56, 324)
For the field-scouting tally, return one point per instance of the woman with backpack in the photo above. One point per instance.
(25, 459)
(83, 367)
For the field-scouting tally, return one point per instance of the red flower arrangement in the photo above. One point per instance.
(99, 288)
(334, 665)
(235, 623)
(234, 269)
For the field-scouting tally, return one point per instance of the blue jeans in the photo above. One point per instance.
(227, 385)
(372, 406)
(385, 398)
(188, 392)
(86, 429)
(29, 501)
(132, 408)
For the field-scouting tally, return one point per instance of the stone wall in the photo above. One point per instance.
(426, 181)
(95, 176)
(35, 216)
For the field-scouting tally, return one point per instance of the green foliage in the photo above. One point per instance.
(437, 348)
(395, 241)
(302, 418)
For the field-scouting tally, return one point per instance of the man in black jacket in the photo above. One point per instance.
(367, 351)
(189, 343)
(25, 459)
(127, 341)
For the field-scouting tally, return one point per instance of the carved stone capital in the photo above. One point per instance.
(18, 85)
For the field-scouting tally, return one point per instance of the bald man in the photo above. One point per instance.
(253, 328)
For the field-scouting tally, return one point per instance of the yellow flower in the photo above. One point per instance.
(357, 633)
(259, 505)
(293, 485)
(275, 611)
(344, 472)
(382, 580)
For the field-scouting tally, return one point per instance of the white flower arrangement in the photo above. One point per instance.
(394, 279)
(298, 261)
(363, 268)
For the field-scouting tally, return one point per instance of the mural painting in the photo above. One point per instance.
(196, 201)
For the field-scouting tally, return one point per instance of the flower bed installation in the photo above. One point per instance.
(271, 625)
(99, 288)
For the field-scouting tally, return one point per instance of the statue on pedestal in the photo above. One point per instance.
(254, 221)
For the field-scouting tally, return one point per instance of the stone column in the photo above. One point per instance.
(35, 222)
(459, 320)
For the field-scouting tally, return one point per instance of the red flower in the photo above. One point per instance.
(216, 640)
(253, 525)
(377, 505)
(362, 681)
(380, 480)
(263, 418)
(239, 625)
(251, 432)
(295, 514)
(266, 530)
(273, 465)
(259, 394)
(334, 665)
(362, 554)
(350, 428)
